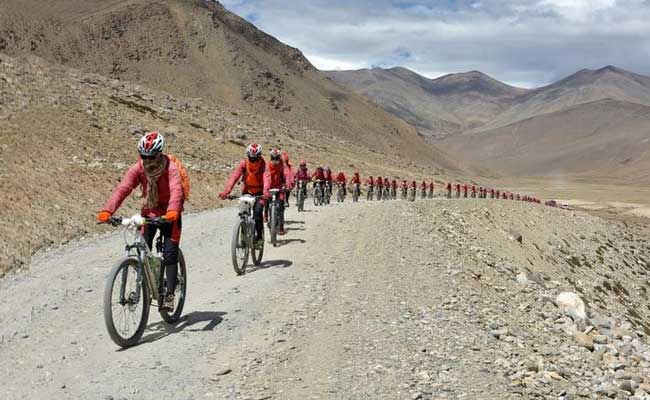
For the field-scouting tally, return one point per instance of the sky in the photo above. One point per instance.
(526, 43)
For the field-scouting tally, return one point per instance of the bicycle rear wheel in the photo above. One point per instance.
(125, 310)
(180, 292)
(239, 248)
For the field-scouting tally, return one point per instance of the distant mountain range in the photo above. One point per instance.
(593, 124)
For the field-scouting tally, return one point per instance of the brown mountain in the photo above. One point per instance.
(602, 140)
(584, 86)
(437, 107)
(196, 48)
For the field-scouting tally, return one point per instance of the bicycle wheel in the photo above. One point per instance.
(239, 248)
(273, 226)
(180, 292)
(125, 310)
(256, 254)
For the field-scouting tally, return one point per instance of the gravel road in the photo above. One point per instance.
(368, 300)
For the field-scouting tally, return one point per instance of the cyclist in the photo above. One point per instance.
(458, 190)
(328, 178)
(280, 178)
(302, 175)
(287, 163)
(393, 187)
(319, 175)
(431, 189)
(380, 187)
(423, 189)
(465, 190)
(371, 184)
(163, 192)
(355, 181)
(473, 191)
(449, 190)
(341, 180)
(256, 179)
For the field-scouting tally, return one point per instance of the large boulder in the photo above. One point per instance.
(571, 305)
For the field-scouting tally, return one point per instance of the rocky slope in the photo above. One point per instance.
(436, 107)
(426, 300)
(197, 48)
(66, 138)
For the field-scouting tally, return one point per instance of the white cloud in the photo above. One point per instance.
(522, 41)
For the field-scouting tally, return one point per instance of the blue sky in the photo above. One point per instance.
(522, 42)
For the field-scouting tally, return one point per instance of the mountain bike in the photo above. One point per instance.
(274, 218)
(370, 193)
(300, 195)
(318, 193)
(404, 193)
(412, 194)
(356, 192)
(387, 193)
(243, 235)
(423, 193)
(393, 193)
(380, 192)
(431, 193)
(328, 192)
(340, 197)
(138, 280)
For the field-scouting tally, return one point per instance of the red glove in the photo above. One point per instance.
(223, 195)
(171, 216)
(103, 216)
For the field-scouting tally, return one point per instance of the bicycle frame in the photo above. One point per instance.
(139, 250)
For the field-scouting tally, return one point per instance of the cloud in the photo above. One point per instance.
(528, 42)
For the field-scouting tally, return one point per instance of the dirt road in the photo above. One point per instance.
(380, 300)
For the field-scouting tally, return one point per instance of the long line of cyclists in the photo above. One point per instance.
(165, 188)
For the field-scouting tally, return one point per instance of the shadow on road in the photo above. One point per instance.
(270, 264)
(294, 222)
(284, 242)
(161, 330)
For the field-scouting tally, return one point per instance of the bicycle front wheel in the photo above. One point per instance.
(179, 292)
(126, 303)
(257, 253)
(239, 248)
(273, 227)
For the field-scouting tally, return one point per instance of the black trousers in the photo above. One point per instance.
(171, 235)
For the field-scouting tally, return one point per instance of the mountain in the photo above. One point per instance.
(584, 86)
(197, 48)
(601, 140)
(437, 107)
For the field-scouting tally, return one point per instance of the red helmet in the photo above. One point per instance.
(254, 151)
(151, 144)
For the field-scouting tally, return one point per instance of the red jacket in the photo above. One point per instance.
(319, 175)
(280, 176)
(431, 186)
(261, 179)
(328, 176)
(170, 190)
(404, 185)
(423, 185)
(340, 178)
(370, 182)
(379, 182)
(393, 184)
(302, 174)
(355, 180)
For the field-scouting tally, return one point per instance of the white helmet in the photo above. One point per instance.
(151, 144)
(254, 151)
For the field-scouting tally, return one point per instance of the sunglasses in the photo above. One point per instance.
(153, 157)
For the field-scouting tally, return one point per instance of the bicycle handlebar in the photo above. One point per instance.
(138, 220)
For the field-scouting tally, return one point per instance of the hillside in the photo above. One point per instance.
(67, 136)
(436, 107)
(198, 49)
(597, 141)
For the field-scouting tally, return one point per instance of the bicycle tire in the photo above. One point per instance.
(181, 293)
(119, 270)
(257, 255)
(273, 227)
(239, 242)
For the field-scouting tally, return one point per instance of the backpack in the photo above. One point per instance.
(185, 178)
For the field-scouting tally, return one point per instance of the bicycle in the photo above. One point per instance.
(404, 193)
(393, 193)
(339, 193)
(328, 192)
(140, 279)
(370, 193)
(243, 235)
(318, 193)
(380, 192)
(300, 196)
(412, 193)
(386, 193)
(274, 218)
(356, 191)
(423, 194)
